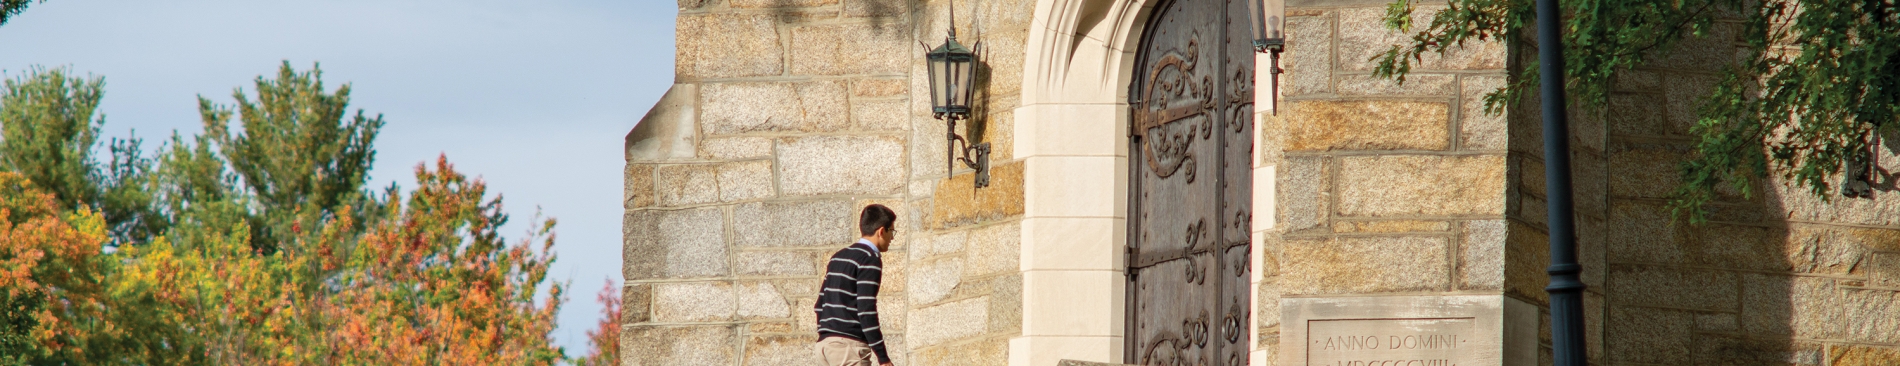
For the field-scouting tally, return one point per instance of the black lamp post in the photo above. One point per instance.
(1566, 290)
(1269, 36)
(952, 82)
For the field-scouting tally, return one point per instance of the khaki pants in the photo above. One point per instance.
(841, 351)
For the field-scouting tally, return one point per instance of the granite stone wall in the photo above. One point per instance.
(786, 118)
(1782, 277)
(1381, 188)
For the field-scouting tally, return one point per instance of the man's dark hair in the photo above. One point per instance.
(875, 217)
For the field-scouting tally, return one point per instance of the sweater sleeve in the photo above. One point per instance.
(869, 277)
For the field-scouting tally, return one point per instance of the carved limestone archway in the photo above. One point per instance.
(1071, 132)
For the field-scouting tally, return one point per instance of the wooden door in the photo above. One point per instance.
(1191, 187)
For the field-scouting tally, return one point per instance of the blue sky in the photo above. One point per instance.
(534, 97)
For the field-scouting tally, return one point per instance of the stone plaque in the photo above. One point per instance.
(1389, 342)
(1454, 330)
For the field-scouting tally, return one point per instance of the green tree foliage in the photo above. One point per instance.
(297, 153)
(11, 8)
(254, 243)
(1801, 99)
(49, 126)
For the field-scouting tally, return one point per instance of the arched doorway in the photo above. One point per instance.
(1190, 184)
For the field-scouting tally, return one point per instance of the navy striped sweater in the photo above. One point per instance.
(847, 306)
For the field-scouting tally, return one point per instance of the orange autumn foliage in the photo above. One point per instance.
(50, 271)
(435, 285)
(604, 339)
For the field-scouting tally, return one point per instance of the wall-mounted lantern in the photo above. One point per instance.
(1269, 36)
(952, 83)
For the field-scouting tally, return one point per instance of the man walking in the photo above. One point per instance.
(848, 333)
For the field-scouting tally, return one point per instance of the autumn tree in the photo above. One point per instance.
(254, 243)
(1804, 99)
(603, 342)
(52, 276)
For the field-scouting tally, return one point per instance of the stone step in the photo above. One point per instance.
(1087, 363)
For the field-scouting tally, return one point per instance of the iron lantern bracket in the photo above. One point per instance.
(976, 157)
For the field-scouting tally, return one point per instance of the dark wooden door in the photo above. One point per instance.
(1191, 186)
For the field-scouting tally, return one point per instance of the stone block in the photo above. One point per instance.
(1006, 15)
(772, 350)
(1822, 250)
(1638, 114)
(1802, 205)
(1679, 288)
(736, 148)
(724, 45)
(1718, 322)
(679, 302)
(684, 185)
(799, 224)
(877, 88)
(674, 244)
(935, 244)
(1305, 190)
(1363, 36)
(748, 107)
(1002, 70)
(1006, 304)
(1481, 262)
(1863, 355)
(932, 281)
(1073, 243)
(1365, 265)
(1076, 303)
(1391, 185)
(880, 115)
(1804, 307)
(1883, 270)
(824, 165)
(995, 249)
(948, 322)
(639, 186)
(1390, 226)
(746, 180)
(1650, 335)
(761, 300)
(690, 4)
(1478, 130)
(636, 303)
(1526, 256)
(775, 263)
(1645, 232)
(999, 130)
(1868, 315)
(1414, 85)
(848, 49)
(1639, 81)
(1364, 125)
(1646, 170)
(1716, 48)
(880, 11)
(669, 130)
(677, 345)
(959, 202)
(1712, 349)
(753, 4)
(927, 144)
(772, 328)
(1308, 60)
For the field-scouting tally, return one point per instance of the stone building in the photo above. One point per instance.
(1143, 207)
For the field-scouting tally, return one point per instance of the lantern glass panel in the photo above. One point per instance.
(939, 83)
(1269, 19)
(961, 82)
